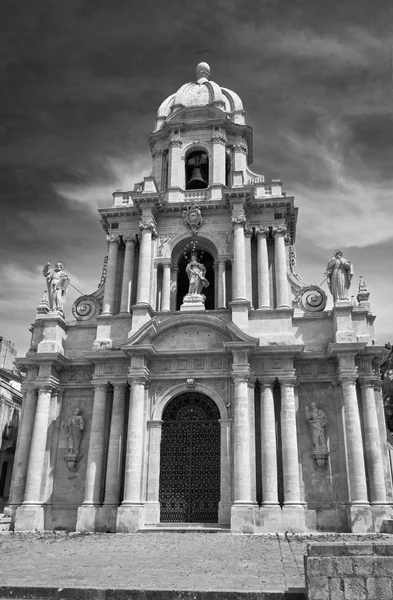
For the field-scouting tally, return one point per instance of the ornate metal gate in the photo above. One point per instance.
(190, 460)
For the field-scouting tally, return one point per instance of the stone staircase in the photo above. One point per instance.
(5, 522)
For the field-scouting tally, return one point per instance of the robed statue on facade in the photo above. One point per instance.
(317, 421)
(339, 272)
(196, 275)
(75, 427)
(57, 282)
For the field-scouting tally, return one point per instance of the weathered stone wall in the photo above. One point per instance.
(349, 571)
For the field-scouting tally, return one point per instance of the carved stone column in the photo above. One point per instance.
(242, 513)
(268, 443)
(224, 506)
(290, 456)
(129, 515)
(30, 515)
(219, 140)
(153, 290)
(166, 285)
(38, 445)
(372, 445)
(280, 266)
(215, 268)
(175, 162)
(247, 261)
(23, 448)
(239, 272)
(145, 255)
(355, 455)
(115, 446)
(128, 273)
(152, 506)
(221, 284)
(173, 291)
(87, 513)
(110, 281)
(263, 268)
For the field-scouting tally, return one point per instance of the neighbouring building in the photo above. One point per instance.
(203, 381)
(10, 408)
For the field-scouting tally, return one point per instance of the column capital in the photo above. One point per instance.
(279, 229)
(241, 373)
(248, 231)
(99, 385)
(219, 137)
(47, 388)
(369, 381)
(266, 383)
(120, 385)
(148, 225)
(241, 147)
(113, 239)
(129, 238)
(139, 376)
(348, 379)
(166, 263)
(288, 381)
(176, 140)
(261, 231)
(239, 221)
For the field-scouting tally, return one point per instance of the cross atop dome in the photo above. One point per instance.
(203, 72)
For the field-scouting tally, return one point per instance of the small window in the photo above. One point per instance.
(278, 215)
(114, 225)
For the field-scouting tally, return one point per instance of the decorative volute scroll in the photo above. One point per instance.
(86, 307)
(317, 422)
(75, 427)
(311, 298)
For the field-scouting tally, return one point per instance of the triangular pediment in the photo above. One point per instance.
(186, 333)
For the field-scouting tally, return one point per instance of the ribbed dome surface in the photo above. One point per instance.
(202, 93)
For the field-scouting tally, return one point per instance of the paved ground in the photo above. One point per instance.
(159, 560)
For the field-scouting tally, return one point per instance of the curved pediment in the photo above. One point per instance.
(188, 332)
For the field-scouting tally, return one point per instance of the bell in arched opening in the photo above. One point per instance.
(197, 170)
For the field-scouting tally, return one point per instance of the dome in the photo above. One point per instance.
(202, 93)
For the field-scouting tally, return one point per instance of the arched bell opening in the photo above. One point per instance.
(183, 282)
(190, 460)
(197, 170)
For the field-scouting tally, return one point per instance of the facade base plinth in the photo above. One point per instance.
(243, 518)
(294, 517)
(360, 518)
(152, 513)
(381, 512)
(130, 518)
(29, 517)
(269, 518)
(88, 518)
(106, 518)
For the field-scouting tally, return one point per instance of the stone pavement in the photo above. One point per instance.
(160, 560)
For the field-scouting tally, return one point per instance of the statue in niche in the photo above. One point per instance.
(339, 272)
(317, 421)
(75, 427)
(57, 281)
(196, 275)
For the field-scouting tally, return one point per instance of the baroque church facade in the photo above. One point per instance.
(203, 381)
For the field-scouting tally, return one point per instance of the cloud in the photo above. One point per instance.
(120, 175)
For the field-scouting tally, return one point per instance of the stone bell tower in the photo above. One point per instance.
(181, 390)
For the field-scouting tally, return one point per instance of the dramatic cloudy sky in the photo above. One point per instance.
(81, 81)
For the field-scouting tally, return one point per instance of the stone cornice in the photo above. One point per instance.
(345, 349)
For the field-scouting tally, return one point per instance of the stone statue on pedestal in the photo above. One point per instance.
(57, 281)
(75, 427)
(339, 272)
(317, 421)
(196, 275)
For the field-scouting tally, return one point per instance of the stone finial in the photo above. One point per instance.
(363, 293)
(43, 305)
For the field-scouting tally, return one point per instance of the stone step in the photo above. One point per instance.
(5, 522)
(187, 527)
(51, 593)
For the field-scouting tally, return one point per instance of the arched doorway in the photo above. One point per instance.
(190, 460)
